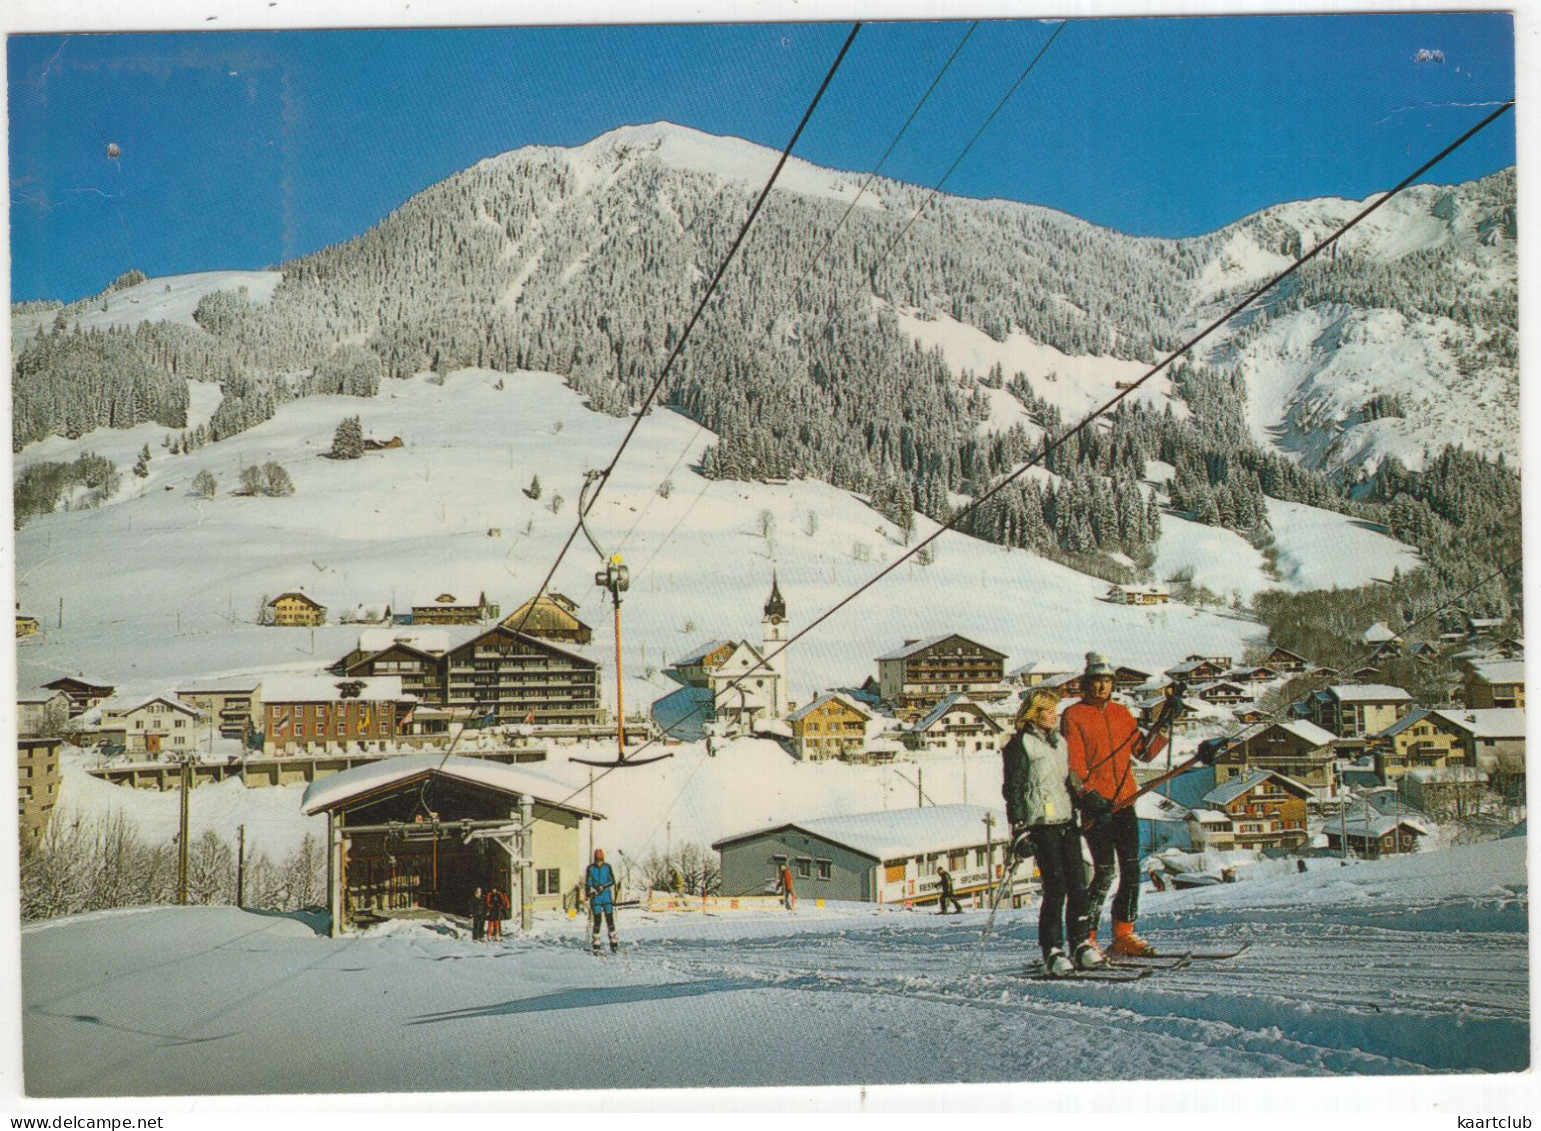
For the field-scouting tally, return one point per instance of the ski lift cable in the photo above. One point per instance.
(1211, 749)
(829, 239)
(999, 106)
(1050, 444)
(603, 475)
(600, 478)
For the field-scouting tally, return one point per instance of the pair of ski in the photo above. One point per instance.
(1126, 968)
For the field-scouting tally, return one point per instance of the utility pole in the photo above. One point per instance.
(240, 868)
(920, 792)
(187, 783)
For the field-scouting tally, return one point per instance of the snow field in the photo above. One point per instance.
(1409, 966)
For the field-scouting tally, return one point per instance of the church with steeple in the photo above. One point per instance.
(731, 682)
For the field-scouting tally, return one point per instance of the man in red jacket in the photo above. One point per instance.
(1102, 737)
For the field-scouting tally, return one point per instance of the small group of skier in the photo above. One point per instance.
(1078, 765)
(487, 908)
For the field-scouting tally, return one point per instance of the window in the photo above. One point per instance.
(825, 869)
(548, 881)
(804, 867)
(893, 874)
(979, 858)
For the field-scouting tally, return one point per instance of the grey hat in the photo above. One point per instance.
(1097, 664)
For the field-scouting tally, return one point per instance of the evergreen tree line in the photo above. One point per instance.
(38, 488)
(93, 863)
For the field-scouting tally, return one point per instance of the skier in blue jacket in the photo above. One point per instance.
(599, 886)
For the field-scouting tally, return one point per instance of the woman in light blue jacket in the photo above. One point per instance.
(1038, 789)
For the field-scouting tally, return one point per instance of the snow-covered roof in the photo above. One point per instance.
(838, 696)
(1500, 671)
(1210, 817)
(123, 704)
(338, 789)
(241, 684)
(894, 833)
(1488, 722)
(328, 689)
(914, 646)
(373, 640)
(1377, 633)
(1231, 790)
(1039, 667)
(696, 655)
(1426, 774)
(1356, 824)
(1307, 730)
(1368, 693)
(948, 703)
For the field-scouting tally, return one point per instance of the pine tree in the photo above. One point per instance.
(348, 440)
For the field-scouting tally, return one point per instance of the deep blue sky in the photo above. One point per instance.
(240, 150)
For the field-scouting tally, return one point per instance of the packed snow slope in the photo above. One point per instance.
(1406, 966)
(161, 585)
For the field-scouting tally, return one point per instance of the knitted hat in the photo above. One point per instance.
(1097, 664)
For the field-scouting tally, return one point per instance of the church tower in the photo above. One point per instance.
(773, 636)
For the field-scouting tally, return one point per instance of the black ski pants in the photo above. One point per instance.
(1115, 846)
(1057, 849)
(609, 918)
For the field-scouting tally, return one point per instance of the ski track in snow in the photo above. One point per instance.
(1404, 967)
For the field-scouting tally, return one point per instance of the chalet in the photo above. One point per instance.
(295, 610)
(1297, 749)
(317, 714)
(27, 626)
(446, 608)
(1210, 830)
(1139, 594)
(551, 616)
(885, 857)
(1284, 661)
(83, 694)
(1495, 683)
(1421, 739)
(424, 831)
(1374, 835)
(1447, 791)
(1125, 677)
(42, 713)
(917, 676)
(1266, 809)
(1381, 639)
(833, 725)
(1492, 739)
(523, 679)
(1482, 628)
(956, 725)
(414, 655)
(1199, 669)
(158, 725)
(1222, 693)
(233, 705)
(1247, 674)
(37, 785)
(1356, 710)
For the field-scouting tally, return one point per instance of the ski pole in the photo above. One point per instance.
(1209, 750)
